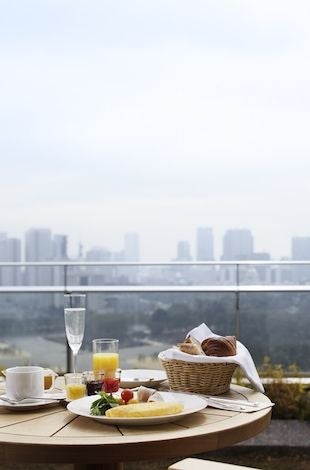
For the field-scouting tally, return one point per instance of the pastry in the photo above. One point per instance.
(220, 346)
(191, 346)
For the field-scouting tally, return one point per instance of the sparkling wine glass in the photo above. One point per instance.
(74, 311)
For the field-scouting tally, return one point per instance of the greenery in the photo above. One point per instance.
(104, 403)
(292, 400)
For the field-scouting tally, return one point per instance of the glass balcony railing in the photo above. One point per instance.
(150, 306)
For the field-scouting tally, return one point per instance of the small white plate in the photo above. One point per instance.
(145, 377)
(191, 403)
(33, 404)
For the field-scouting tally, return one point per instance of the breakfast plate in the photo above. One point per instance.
(145, 377)
(191, 403)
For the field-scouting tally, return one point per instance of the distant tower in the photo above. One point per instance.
(301, 252)
(59, 253)
(183, 251)
(301, 248)
(132, 247)
(238, 244)
(38, 247)
(10, 250)
(60, 243)
(204, 244)
(98, 253)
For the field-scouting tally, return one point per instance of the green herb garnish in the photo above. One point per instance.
(104, 403)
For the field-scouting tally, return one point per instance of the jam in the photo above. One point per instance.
(110, 384)
(94, 386)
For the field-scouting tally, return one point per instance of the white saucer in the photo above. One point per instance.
(33, 404)
(145, 377)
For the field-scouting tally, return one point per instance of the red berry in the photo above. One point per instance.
(127, 395)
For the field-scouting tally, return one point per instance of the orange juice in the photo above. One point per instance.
(107, 362)
(75, 391)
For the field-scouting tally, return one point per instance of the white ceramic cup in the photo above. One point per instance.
(24, 382)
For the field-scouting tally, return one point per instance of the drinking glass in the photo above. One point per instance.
(75, 307)
(111, 384)
(105, 356)
(75, 386)
(93, 382)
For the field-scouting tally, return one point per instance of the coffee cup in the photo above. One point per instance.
(24, 382)
(49, 379)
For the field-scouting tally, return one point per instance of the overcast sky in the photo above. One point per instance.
(155, 116)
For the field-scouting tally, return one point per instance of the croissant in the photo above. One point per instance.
(220, 346)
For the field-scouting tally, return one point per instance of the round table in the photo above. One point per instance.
(52, 434)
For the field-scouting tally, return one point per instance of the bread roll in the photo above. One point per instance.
(143, 410)
(220, 346)
(189, 348)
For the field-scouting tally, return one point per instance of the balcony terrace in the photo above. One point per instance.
(152, 305)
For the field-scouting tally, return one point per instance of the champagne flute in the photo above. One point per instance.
(74, 311)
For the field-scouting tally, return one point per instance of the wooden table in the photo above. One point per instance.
(53, 434)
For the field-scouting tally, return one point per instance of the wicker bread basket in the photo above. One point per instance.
(198, 377)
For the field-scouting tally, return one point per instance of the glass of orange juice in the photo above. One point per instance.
(105, 356)
(75, 386)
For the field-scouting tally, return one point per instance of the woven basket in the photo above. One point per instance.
(206, 378)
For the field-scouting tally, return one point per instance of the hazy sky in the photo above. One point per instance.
(155, 116)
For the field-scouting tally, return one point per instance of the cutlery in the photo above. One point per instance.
(226, 406)
(23, 400)
(143, 379)
(228, 401)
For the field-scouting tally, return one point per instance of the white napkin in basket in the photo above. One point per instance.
(243, 358)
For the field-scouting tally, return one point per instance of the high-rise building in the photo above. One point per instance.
(60, 244)
(99, 275)
(38, 247)
(204, 244)
(183, 251)
(301, 252)
(98, 253)
(59, 253)
(132, 247)
(238, 244)
(301, 248)
(10, 251)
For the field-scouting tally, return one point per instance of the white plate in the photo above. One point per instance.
(146, 377)
(32, 404)
(191, 403)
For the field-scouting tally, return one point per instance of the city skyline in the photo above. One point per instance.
(239, 243)
(155, 117)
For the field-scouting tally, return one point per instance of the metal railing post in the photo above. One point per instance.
(237, 304)
(69, 359)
